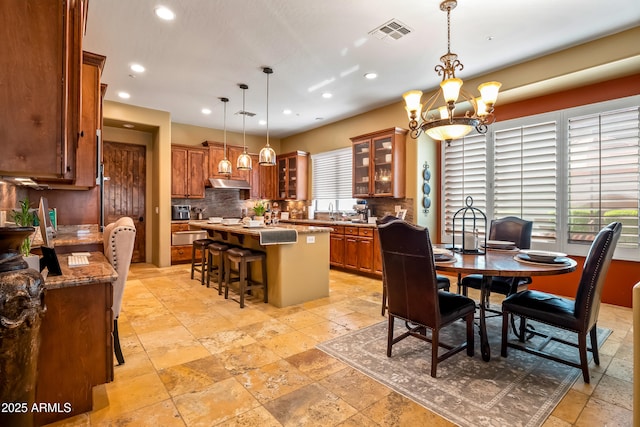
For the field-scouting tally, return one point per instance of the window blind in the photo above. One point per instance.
(465, 174)
(525, 175)
(332, 174)
(604, 175)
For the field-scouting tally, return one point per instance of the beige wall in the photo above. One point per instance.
(601, 60)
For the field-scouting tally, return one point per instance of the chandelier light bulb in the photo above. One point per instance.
(451, 90)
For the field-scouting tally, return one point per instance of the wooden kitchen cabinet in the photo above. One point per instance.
(358, 248)
(90, 120)
(180, 254)
(189, 171)
(292, 175)
(42, 77)
(379, 164)
(377, 254)
(336, 247)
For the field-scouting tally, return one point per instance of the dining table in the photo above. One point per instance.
(499, 262)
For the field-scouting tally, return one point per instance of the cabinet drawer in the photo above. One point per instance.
(353, 231)
(179, 227)
(337, 229)
(365, 231)
(181, 254)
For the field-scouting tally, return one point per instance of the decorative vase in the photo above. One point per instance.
(258, 218)
(21, 310)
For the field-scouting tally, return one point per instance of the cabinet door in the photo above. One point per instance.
(351, 252)
(336, 249)
(43, 79)
(197, 172)
(365, 254)
(216, 154)
(268, 182)
(282, 178)
(254, 178)
(179, 166)
(292, 176)
(362, 168)
(382, 170)
(234, 153)
(377, 254)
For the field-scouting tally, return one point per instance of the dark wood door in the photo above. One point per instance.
(124, 192)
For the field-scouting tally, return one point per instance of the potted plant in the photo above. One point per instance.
(258, 210)
(25, 218)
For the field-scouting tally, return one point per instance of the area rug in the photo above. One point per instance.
(520, 390)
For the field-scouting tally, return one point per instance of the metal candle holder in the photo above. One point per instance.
(471, 219)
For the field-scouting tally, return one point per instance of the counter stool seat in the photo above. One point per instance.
(243, 258)
(215, 264)
(199, 266)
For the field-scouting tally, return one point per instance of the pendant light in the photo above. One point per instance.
(224, 167)
(244, 159)
(267, 155)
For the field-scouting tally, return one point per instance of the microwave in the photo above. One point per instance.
(179, 212)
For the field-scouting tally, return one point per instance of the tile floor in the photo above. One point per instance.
(196, 359)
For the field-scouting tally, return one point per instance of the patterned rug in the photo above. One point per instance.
(520, 390)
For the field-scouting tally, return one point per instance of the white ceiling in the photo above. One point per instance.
(320, 46)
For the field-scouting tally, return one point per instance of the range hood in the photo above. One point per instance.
(229, 183)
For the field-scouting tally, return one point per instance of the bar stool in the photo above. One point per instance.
(202, 265)
(215, 264)
(244, 257)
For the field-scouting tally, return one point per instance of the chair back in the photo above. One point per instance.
(387, 219)
(594, 272)
(410, 273)
(512, 229)
(119, 238)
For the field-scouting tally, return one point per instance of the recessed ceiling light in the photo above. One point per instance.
(287, 111)
(164, 13)
(124, 95)
(206, 111)
(137, 68)
(327, 95)
(370, 76)
(128, 126)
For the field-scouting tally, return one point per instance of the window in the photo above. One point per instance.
(525, 175)
(604, 169)
(571, 172)
(332, 175)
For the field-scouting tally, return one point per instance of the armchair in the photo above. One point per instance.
(119, 238)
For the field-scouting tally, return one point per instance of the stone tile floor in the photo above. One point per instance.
(196, 359)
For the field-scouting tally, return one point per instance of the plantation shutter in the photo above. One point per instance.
(332, 174)
(465, 174)
(525, 176)
(604, 171)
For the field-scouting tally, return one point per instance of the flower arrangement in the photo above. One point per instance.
(259, 208)
(24, 218)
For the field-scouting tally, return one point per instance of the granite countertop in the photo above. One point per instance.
(73, 235)
(98, 270)
(329, 223)
(255, 231)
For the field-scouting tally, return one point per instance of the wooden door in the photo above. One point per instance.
(124, 192)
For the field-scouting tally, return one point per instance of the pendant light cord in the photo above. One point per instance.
(268, 109)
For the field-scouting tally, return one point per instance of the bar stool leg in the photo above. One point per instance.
(193, 259)
(227, 275)
(222, 271)
(265, 289)
(243, 281)
(203, 266)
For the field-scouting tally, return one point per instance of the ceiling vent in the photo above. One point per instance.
(393, 29)
(246, 113)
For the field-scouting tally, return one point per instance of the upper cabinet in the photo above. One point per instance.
(41, 41)
(292, 175)
(189, 171)
(379, 164)
(216, 153)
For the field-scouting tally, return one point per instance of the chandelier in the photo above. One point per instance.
(224, 166)
(243, 163)
(445, 125)
(267, 156)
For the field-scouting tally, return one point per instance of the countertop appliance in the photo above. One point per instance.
(179, 212)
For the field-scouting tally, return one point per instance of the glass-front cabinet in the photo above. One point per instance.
(292, 175)
(379, 164)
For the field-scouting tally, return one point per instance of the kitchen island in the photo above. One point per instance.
(296, 272)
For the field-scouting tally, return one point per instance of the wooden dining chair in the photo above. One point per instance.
(579, 315)
(413, 294)
(443, 281)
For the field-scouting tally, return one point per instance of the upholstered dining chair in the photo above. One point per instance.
(118, 239)
(511, 229)
(413, 294)
(579, 315)
(443, 281)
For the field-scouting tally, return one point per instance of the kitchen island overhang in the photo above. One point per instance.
(296, 272)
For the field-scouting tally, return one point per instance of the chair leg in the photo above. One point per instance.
(594, 344)
(505, 333)
(227, 276)
(116, 343)
(584, 363)
(435, 345)
(470, 335)
(384, 298)
(390, 335)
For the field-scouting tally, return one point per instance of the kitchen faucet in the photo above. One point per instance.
(331, 217)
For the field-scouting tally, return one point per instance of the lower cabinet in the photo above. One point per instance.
(336, 247)
(354, 248)
(180, 254)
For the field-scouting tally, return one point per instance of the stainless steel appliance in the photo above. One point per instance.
(179, 238)
(179, 212)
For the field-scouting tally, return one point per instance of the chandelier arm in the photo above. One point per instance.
(429, 104)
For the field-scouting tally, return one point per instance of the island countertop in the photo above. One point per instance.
(255, 231)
